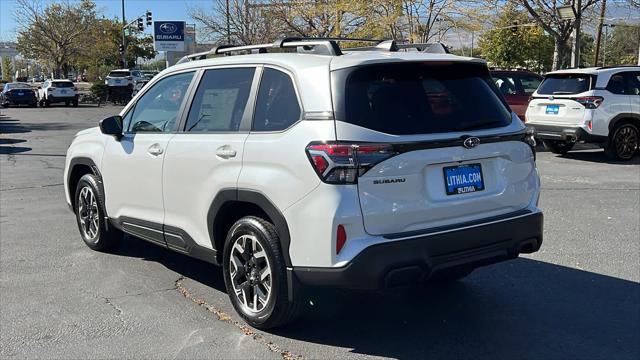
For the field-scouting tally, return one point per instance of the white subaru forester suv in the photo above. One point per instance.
(590, 105)
(313, 167)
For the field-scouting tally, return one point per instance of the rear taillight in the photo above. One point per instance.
(589, 124)
(342, 163)
(590, 102)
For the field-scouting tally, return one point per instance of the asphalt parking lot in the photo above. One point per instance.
(577, 298)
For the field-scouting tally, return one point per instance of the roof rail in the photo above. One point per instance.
(392, 45)
(314, 45)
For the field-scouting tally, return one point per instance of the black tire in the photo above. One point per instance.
(33, 105)
(5, 105)
(557, 146)
(623, 143)
(66, 103)
(75, 103)
(276, 310)
(100, 235)
(47, 103)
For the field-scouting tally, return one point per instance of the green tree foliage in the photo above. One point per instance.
(54, 35)
(519, 46)
(7, 69)
(622, 45)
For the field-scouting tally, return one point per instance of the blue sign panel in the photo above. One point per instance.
(168, 35)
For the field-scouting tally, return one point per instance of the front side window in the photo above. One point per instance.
(277, 105)
(157, 110)
(220, 100)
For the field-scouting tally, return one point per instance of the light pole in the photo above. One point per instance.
(604, 42)
(124, 39)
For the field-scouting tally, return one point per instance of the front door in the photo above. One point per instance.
(132, 167)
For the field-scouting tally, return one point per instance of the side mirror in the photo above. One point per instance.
(112, 126)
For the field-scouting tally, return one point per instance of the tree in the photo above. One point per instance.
(622, 45)
(54, 34)
(516, 46)
(7, 69)
(545, 13)
(249, 23)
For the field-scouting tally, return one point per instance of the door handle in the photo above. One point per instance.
(225, 152)
(155, 149)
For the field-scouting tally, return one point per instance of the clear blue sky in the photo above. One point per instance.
(161, 9)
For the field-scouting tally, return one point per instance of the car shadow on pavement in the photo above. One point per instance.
(518, 309)
(599, 157)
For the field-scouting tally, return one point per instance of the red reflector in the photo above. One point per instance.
(341, 238)
(590, 125)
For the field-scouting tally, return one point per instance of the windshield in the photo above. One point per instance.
(419, 98)
(119, 74)
(18, 86)
(62, 84)
(566, 84)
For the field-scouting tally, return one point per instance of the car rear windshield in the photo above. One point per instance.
(18, 86)
(419, 98)
(566, 84)
(119, 74)
(63, 84)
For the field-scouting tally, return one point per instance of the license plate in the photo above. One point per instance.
(553, 109)
(117, 81)
(463, 179)
(20, 94)
(63, 91)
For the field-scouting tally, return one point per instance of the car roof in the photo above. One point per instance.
(300, 61)
(61, 80)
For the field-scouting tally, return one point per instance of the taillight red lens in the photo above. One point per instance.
(341, 238)
(590, 102)
(341, 163)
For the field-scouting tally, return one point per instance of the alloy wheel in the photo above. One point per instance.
(626, 142)
(250, 274)
(88, 213)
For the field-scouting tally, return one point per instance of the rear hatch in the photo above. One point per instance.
(62, 89)
(561, 99)
(119, 78)
(443, 147)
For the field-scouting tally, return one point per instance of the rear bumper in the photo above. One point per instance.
(416, 259)
(54, 99)
(20, 100)
(563, 133)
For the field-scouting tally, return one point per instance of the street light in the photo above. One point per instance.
(604, 43)
(568, 13)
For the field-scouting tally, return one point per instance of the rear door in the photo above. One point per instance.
(205, 156)
(427, 113)
(633, 86)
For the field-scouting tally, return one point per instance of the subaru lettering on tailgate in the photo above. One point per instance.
(463, 179)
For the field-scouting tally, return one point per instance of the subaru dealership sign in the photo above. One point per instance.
(168, 35)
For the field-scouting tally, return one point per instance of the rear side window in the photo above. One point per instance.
(529, 83)
(633, 82)
(616, 84)
(566, 84)
(419, 98)
(277, 105)
(220, 101)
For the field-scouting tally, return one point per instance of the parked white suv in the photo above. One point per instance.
(592, 105)
(360, 169)
(57, 91)
(123, 78)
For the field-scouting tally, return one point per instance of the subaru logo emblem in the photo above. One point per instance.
(471, 142)
(168, 28)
